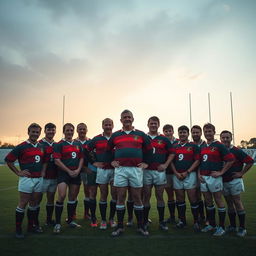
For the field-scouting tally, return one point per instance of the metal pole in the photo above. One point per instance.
(63, 111)
(232, 117)
(209, 107)
(190, 111)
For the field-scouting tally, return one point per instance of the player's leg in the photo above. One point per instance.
(147, 189)
(129, 205)
(181, 207)
(171, 198)
(231, 213)
(103, 205)
(159, 193)
(193, 199)
(112, 212)
(86, 196)
(218, 198)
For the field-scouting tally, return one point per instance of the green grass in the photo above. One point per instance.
(96, 242)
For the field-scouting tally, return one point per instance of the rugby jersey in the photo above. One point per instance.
(213, 156)
(99, 146)
(162, 148)
(51, 169)
(241, 158)
(30, 157)
(131, 148)
(185, 155)
(169, 169)
(69, 153)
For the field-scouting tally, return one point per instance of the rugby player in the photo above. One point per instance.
(215, 161)
(132, 152)
(186, 161)
(154, 174)
(105, 172)
(68, 156)
(30, 156)
(168, 132)
(233, 184)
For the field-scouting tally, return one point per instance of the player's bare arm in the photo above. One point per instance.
(226, 166)
(164, 166)
(23, 173)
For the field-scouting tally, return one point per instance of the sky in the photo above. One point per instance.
(143, 55)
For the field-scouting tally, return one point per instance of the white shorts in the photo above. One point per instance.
(30, 185)
(104, 176)
(153, 177)
(189, 182)
(211, 184)
(233, 187)
(128, 176)
(49, 185)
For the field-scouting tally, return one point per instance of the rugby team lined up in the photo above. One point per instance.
(132, 161)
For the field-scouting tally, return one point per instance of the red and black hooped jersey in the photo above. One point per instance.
(169, 169)
(213, 157)
(30, 157)
(69, 153)
(162, 148)
(185, 155)
(51, 169)
(241, 158)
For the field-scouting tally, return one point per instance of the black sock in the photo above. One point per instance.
(211, 215)
(222, 216)
(129, 205)
(112, 209)
(195, 211)
(86, 206)
(138, 210)
(37, 215)
(30, 217)
(93, 209)
(76, 203)
(181, 206)
(58, 211)
(103, 209)
(241, 216)
(232, 218)
(206, 211)
(171, 207)
(120, 211)
(201, 209)
(146, 213)
(71, 206)
(19, 215)
(49, 212)
(160, 209)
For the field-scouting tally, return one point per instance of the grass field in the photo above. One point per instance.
(95, 242)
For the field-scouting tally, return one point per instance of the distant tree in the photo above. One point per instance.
(6, 145)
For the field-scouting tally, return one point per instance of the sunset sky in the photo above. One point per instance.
(109, 55)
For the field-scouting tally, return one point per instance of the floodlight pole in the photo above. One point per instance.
(209, 107)
(63, 110)
(232, 117)
(190, 111)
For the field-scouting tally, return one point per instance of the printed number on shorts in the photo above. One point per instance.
(37, 159)
(73, 154)
(205, 157)
(180, 156)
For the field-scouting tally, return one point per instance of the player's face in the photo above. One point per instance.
(183, 135)
(127, 120)
(209, 134)
(107, 126)
(226, 139)
(168, 133)
(153, 126)
(68, 132)
(34, 134)
(49, 133)
(81, 130)
(196, 134)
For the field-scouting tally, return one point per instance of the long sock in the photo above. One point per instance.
(120, 211)
(171, 207)
(112, 209)
(30, 218)
(92, 203)
(103, 209)
(146, 213)
(222, 216)
(138, 210)
(201, 209)
(86, 205)
(181, 206)
(195, 211)
(19, 215)
(71, 206)
(58, 211)
(232, 218)
(49, 211)
(76, 202)
(241, 216)
(37, 215)
(160, 209)
(206, 211)
(129, 205)
(211, 215)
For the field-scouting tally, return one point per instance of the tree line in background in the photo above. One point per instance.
(6, 145)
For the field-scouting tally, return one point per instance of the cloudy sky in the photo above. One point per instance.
(109, 55)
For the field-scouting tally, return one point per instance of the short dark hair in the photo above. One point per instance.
(226, 131)
(67, 124)
(209, 126)
(49, 126)
(154, 118)
(107, 119)
(81, 124)
(126, 111)
(183, 127)
(196, 127)
(167, 127)
(34, 125)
